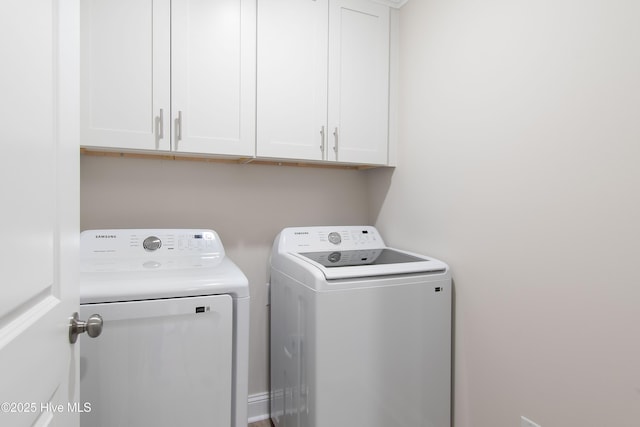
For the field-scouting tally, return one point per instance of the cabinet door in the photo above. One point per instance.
(125, 73)
(292, 78)
(358, 81)
(213, 76)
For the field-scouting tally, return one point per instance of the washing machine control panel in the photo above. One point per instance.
(305, 239)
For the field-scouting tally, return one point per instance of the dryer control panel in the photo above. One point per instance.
(344, 238)
(147, 242)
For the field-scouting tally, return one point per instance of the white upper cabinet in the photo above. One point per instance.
(169, 75)
(323, 80)
(292, 78)
(213, 49)
(358, 81)
(125, 80)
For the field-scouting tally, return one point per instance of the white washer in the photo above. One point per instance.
(360, 333)
(174, 345)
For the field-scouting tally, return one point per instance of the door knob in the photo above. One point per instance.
(93, 326)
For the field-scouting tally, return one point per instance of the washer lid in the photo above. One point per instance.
(370, 262)
(342, 252)
(383, 256)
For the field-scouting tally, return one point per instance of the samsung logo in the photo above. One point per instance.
(106, 236)
(299, 233)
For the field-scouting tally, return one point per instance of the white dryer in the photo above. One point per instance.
(174, 344)
(360, 333)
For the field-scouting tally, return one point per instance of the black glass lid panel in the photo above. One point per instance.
(360, 257)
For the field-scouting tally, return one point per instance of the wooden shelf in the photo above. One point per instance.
(162, 155)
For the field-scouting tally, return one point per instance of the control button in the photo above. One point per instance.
(335, 257)
(152, 243)
(335, 238)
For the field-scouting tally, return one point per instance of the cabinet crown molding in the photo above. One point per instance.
(392, 3)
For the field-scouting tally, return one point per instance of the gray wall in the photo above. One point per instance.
(519, 166)
(246, 204)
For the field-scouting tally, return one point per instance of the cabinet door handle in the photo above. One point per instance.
(179, 127)
(322, 136)
(160, 125)
(335, 145)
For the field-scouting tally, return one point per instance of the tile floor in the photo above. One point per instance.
(265, 423)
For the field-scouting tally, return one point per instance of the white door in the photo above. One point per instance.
(213, 76)
(39, 47)
(126, 74)
(358, 81)
(292, 79)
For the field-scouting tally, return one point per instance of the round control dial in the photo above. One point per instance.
(335, 238)
(151, 243)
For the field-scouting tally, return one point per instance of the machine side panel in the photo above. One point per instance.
(292, 352)
(240, 402)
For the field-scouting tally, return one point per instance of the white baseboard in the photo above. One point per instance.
(258, 407)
